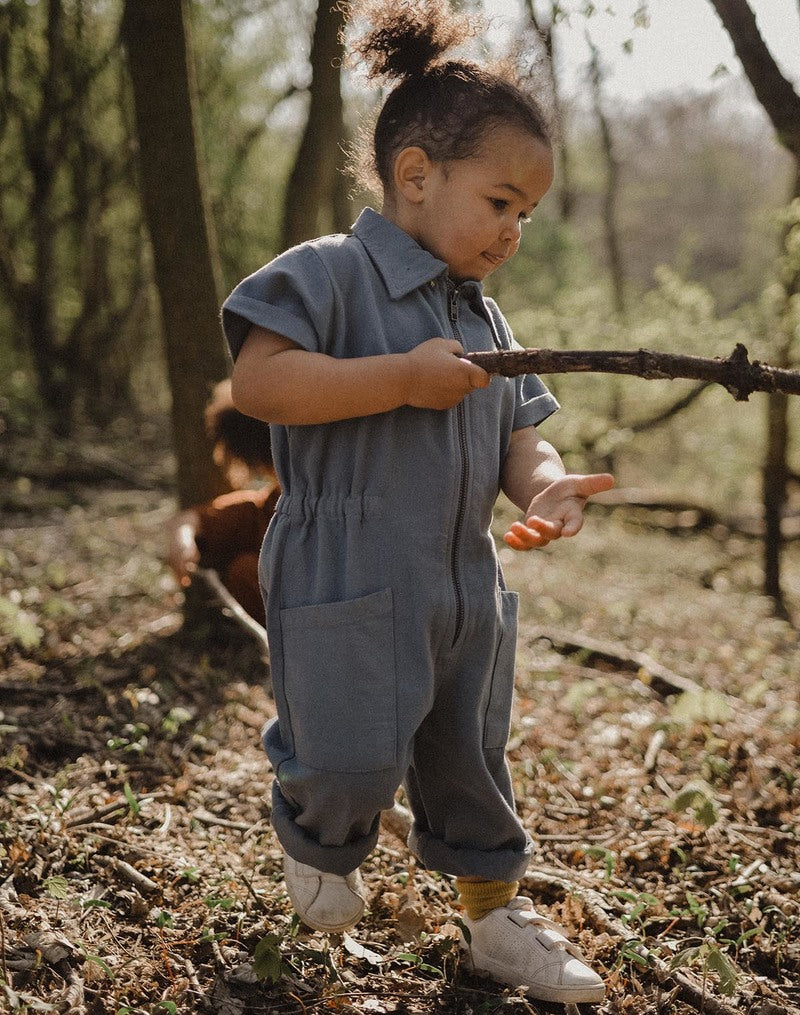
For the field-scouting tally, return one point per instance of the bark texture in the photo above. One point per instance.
(184, 251)
(737, 373)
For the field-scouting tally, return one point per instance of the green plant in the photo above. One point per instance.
(438, 955)
(97, 960)
(699, 797)
(710, 957)
(641, 903)
(174, 719)
(57, 887)
(133, 740)
(268, 964)
(19, 625)
(703, 705)
(608, 857)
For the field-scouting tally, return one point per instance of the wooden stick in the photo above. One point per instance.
(652, 674)
(237, 611)
(145, 884)
(736, 373)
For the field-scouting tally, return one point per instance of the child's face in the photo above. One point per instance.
(473, 210)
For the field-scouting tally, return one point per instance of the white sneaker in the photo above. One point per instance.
(515, 945)
(326, 902)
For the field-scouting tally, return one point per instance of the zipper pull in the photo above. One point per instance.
(453, 305)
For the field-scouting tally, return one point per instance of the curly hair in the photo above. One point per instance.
(238, 437)
(444, 106)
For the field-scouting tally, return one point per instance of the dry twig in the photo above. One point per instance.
(738, 374)
(661, 679)
(239, 614)
(144, 884)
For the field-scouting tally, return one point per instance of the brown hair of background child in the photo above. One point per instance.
(238, 440)
(445, 106)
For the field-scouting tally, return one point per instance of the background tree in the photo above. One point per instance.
(611, 189)
(544, 25)
(70, 246)
(316, 196)
(184, 251)
(782, 104)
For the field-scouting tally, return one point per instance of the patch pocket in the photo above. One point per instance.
(497, 721)
(339, 682)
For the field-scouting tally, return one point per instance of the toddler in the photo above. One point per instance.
(391, 632)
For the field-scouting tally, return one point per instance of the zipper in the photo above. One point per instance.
(463, 486)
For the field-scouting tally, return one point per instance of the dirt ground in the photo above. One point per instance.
(654, 753)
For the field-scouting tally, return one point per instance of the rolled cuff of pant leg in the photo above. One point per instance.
(300, 846)
(495, 865)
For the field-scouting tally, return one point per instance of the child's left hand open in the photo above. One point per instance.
(557, 511)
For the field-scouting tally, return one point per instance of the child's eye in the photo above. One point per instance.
(498, 203)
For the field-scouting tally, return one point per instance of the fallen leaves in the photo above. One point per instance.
(140, 870)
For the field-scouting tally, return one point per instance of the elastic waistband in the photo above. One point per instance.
(343, 506)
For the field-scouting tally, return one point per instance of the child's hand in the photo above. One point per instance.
(557, 511)
(438, 378)
(183, 555)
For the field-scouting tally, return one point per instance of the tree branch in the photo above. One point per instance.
(736, 373)
(775, 93)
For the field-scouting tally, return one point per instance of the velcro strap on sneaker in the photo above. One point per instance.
(551, 934)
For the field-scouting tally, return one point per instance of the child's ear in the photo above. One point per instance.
(411, 170)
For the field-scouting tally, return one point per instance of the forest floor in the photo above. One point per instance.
(654, 753)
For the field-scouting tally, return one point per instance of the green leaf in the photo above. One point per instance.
(408, 957)
(57, 886)
(722, 966)
(98, 961)
(426, 967)
(267, 959)
(699, 797)
(95, 904)
(133, 803)
(685, 958)
(465, 931)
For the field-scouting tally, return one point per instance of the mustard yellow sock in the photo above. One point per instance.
(481, 897)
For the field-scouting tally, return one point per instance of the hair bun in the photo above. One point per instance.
(403, 38)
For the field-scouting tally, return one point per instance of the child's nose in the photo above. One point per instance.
(511, 234)
(512, 230)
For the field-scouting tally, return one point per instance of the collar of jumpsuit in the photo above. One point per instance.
(401, 262)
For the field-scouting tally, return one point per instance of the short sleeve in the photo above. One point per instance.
(533, 402)
(291, 296)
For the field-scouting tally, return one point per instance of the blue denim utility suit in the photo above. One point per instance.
(391, 633)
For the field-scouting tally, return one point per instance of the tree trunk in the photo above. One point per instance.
(775, 92)
(776, 467)
(782, 104)
(774, 485)
(155, 33)
(42, 149)
(565, 190)
(313, 200)
(611, 189)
